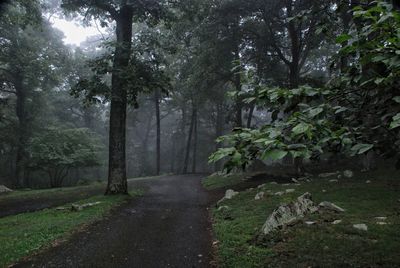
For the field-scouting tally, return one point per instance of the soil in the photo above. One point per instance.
(168, 227)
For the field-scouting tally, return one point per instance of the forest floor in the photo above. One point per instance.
(167, 227)
(23, 201)
(367, 197)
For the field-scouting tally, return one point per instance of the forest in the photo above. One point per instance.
(290, 89)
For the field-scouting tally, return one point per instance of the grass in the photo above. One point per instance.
(50, 193)
(216, 181)
(319, 245)
(60, 192)
(24, 234)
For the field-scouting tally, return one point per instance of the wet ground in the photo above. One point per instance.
(168, 227)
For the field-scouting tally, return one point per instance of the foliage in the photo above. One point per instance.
(357, 112)
(58, 150)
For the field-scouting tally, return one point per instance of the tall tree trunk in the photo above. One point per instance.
(158, 156)
(117, 182)
(219, 126)
(250, 117)
(295, 48)
(195, 140)
(22, 134)
(189, 141)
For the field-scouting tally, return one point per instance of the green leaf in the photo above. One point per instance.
(274, 154)
(301, 129)
(361, 148)
(396, 122)
(343, 38)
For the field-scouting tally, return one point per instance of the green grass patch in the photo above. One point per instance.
(216, 181)
(24, 234)
(319, 245)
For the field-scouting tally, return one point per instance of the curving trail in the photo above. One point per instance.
(167, 227)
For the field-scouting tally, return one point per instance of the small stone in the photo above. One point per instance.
(323, 190)
(286, 184)
(290, 191)
(200, 255)
(348, 174)
(261, 186)
(274, 182)
(361, 226)
(294, 180)
(310, 222)
(381, 218)
(335, 222)
(279, 193)
(368, 182)
(333, 181)
(339, 176)
(381, 223)
(330, 206)
(223, 208)
(259, 196)
(229, 194)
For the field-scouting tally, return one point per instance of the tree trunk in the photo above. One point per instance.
(251, 112)
(294, 66)
(189, 141)
(22, 138)
(158, 156)
(195, 118)
(219, 126)
(117, 182)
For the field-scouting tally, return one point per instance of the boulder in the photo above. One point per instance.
(330, 206)
(288, 191)
(348, 174)
(4, 189)
(288, 214)
(361, 226)
(259, 196)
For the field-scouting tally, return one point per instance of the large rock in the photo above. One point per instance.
(288, 214)
(4, 189)
(330, 206)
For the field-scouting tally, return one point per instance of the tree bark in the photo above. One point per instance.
(189, 141)
(21, 156)
(117, 181)
(219, 126)
(195, 140)
(158, 138)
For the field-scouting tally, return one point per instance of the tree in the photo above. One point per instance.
(30, 62)
(123, 88)
(56, 151)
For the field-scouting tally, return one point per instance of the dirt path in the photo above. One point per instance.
(168, 227)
